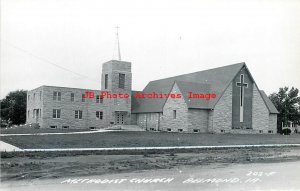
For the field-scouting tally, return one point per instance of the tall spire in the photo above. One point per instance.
(118, 44)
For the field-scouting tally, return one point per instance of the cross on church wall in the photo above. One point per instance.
(241, 84)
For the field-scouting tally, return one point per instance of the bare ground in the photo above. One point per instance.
(42, 165)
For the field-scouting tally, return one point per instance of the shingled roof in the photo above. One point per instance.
(270, 105)
(208, 81)
(218, 79)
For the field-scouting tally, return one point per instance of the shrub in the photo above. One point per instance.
(286, 131)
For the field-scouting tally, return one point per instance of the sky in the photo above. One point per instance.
(65, 42)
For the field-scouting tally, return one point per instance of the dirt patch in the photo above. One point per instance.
(39, 165)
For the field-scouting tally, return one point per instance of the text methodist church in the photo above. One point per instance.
(235, 103)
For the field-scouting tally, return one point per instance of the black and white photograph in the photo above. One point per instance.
(150, 95)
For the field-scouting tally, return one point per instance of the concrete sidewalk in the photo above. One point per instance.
(161, 148)
(5, 147)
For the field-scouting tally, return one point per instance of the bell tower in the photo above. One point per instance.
(116, 79)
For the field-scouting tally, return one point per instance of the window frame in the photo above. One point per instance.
(83, 98)
(99, 115)
(105, 81)
(72, 97)
(56, 113)
(121, 84)
(78, 113)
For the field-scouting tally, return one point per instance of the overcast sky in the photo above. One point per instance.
(64, 42)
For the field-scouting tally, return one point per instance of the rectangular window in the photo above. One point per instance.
(72, 97)
(106, 81)
(57, 96)
(121, 80)
(83, 97)
(28, 113)
(33, 113)
(196, 130)
(54, 95)
(40, 95)
(174, 114)
(33, 96)
(101, 99)
(99, 114)
(78, 114)
(28, 97)
(97, 98)
(56, 113)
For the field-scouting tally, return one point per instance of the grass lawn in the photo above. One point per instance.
(31, 130)
(143, 139)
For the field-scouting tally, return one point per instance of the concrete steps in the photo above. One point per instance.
(125, 128)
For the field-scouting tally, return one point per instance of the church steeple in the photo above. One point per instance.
(117, 43)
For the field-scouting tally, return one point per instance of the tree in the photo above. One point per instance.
(287, 103)
(13, 107)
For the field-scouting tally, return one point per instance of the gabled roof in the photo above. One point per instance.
(270, 105)
(186, 87)
(216, 79)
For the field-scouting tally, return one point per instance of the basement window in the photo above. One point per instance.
(270, 131)
(53, 127)
(169, 130)
(196, 131)
(261, 131)
(180, 130)
(222, 131)
(92, 128)
(65, 127)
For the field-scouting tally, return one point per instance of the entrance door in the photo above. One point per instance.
(120, 117)
(36, 113)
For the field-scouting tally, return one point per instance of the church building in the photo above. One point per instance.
(219, 100)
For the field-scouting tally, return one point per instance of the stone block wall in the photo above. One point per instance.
(181, 121)
(272, 123)
(113, 68)
(67, 107)
(149, 121)
(260, 113)
(198, 119)
(34, 102)
(222, 114)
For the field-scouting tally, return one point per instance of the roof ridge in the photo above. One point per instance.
(199, 71)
